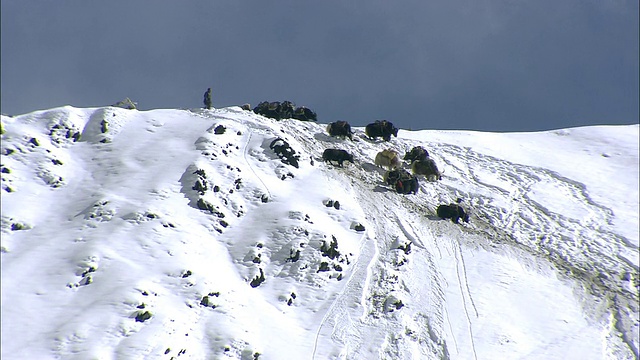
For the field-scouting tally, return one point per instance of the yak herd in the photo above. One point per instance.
(284, 110)
(396, 176)
(403, 181)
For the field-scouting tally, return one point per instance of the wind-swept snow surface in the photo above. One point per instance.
(182, 234)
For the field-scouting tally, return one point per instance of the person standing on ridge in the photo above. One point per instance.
(207, 99)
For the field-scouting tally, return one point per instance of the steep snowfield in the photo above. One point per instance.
(150, 234)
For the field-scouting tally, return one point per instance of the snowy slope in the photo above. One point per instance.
(146, 237)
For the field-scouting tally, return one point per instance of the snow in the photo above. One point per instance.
(98, 231)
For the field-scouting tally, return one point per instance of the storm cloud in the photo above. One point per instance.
(481, 65)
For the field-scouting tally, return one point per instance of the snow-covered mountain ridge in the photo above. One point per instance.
(148, 234)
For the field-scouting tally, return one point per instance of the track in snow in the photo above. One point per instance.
(578, 240)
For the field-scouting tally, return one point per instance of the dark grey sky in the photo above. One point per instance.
(494, 65)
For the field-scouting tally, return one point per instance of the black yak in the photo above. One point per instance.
(407, 186)
(275, 110)
(452, 211)
(338, 155)
(402, 181)
(415, 154)
(268, 109)
(392, 176)
(428, 168)
(340, 128)
(381, 128)
(304, 114)
(286, 110)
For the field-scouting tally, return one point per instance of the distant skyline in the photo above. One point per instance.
(460, 65)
